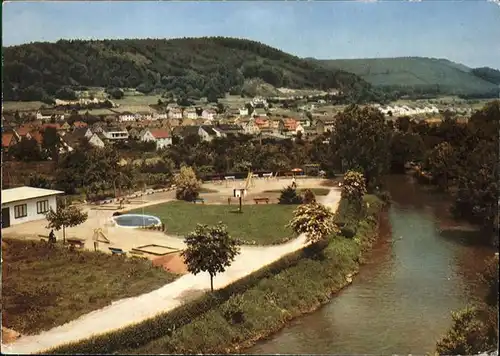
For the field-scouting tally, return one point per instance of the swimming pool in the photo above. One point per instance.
(136, 220)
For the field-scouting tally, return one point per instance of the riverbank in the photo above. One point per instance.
(266, 307)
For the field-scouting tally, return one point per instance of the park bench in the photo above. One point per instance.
(199, 200)
(257, 200)
(117, 251)
(267, 175)
(74, 242)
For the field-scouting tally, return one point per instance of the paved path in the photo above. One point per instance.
(134, 310)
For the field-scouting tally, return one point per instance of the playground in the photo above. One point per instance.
(261, 222)
(160, 245)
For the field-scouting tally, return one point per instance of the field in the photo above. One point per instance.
(264, 224)
(46, 286)
(22, 105)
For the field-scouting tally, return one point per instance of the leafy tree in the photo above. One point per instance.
(442, 164)
(27, 150)
(477, 196)
(289, 196)
(353, 187)
(66, 93)
(315, 220)
(65, 216)
(405, 147)
(361, 140)
(116, 93)
(51, 142)
(187, 185)
(209, 249)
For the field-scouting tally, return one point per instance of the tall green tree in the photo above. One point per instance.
(209, 249)
(186, 184)
(361, 141)
(442, 164)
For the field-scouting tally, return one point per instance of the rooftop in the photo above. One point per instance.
(24, 193)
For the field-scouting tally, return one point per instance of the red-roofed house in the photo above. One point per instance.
(261, 123)
(8, 139)
(161, 137)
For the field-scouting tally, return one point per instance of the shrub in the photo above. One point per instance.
(289, 196)
(308, 197)
(187, 185)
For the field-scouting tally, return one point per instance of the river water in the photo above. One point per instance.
(401, 300)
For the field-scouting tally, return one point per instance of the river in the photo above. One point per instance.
(401, 300)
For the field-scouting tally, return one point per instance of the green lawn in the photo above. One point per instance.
(46, 286)
(316, 191)
(264, 224)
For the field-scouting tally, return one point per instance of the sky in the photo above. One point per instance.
(467, 32)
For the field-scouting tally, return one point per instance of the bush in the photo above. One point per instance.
(187, 185)
(289, 196)
(308, 197)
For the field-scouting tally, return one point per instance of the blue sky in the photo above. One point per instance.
(463, 31)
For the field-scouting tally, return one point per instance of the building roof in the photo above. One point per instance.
(24, 193)
(7, 138)
(160, 133)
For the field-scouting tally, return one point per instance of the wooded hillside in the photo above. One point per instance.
(193, 67)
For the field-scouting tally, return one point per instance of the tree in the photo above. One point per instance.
(187, 185)
(442, 164)
(477, 196)
(65, 216)
(27, 150)
(361, 140)
(289, 196)
(51, 142)
(353, 187)
(315, 220)
(209, 249)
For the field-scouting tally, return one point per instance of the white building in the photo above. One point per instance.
(161, 137)
(23, 204)
(126, 117)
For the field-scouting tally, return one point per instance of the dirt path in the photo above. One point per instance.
(134, 310)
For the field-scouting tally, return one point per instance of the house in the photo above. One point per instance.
(23, 204)
(324, 125)
(243, 111)
(175, 113)
(250, 128)
(184, 131)
(126, 117)
(189, 122)
(8, 139)
(190, 113)
(208, 114)
(223, 130)
(207, 133)
(97, 140)
(162, 138)
(115, 133)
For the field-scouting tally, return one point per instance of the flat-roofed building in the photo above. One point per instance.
(23, 204)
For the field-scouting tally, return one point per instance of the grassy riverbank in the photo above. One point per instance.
(267, 307)
(251, 308)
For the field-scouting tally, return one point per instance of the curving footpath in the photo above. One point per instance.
(133, 310)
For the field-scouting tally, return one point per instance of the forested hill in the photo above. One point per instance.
(410, 75)
(193, 67)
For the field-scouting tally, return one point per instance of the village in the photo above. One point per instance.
(274, 117)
